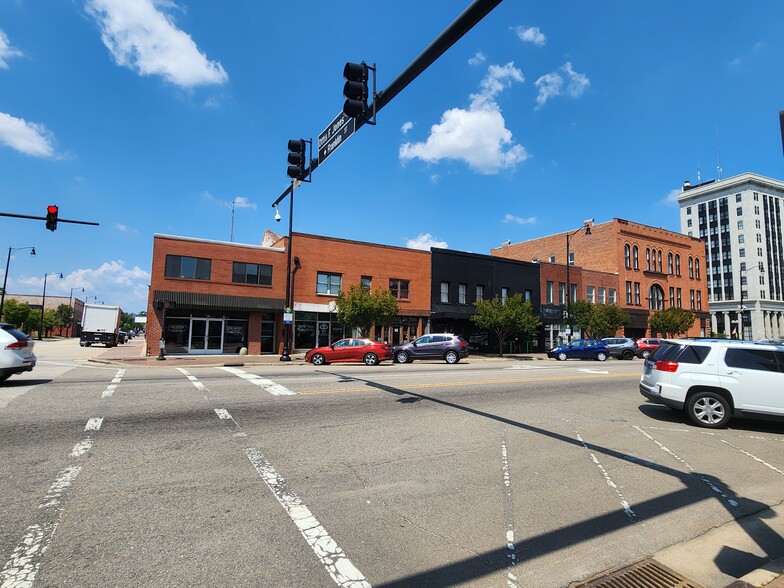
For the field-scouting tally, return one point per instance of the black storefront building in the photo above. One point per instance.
(459, 279)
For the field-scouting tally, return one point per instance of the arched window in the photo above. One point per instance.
(691, 267)
(647, 259)
(636, 257)
(660, 261)
(656, 298)
(677, 264)
(697, 268)
(669, 264)
(627, 256)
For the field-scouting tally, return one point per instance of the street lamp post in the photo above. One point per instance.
(587, 227)
(43, 303)
(70, 305)
(289, 294)
(5, 279)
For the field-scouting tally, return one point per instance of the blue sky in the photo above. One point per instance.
(152, 116)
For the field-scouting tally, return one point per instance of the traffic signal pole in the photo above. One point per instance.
(453, 33)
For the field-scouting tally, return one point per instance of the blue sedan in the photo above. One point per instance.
(581, 349)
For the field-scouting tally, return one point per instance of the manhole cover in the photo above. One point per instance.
(643, 574)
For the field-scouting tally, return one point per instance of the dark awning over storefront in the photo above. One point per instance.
(218, 301)
(451, 311)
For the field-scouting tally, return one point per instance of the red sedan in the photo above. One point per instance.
(348, 350)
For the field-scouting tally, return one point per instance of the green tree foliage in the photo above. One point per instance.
(598, 320)
(671, 322)
(63, 317)
(127, 321)
(360, 308)
(50, 321)
(514, 317)
(16, 313)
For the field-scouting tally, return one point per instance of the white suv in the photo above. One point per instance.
(715, 379)
(16, 352)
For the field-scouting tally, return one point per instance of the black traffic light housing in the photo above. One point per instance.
(298, 160)
(51, 217)
(355, 90)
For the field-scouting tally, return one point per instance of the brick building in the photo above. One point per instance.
(655, 268)
(224, 296)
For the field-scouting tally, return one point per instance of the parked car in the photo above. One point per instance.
(620, 347)
(581, 349)
(646, 347)
(713, 380)
(16, 352)
(350, 350)
(451, 348)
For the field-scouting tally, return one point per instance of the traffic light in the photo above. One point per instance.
(51, 217)
(296, 159)
(355, 90)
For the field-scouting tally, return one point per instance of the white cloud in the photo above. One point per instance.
(672, 196)
(477, 59)
(6, 51)
(242, 202)
(145, 39)
(407, 126)
(477, 135)
(510, 218)
(553, 84)
(425, 241)
(29, 138)
(531, 35)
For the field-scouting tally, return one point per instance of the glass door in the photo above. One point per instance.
(206, 336)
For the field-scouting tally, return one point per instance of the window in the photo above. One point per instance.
(737, 197)
(647, 259)
(561, 293)
(366, 281)
(678, 298)
(656, 296)
(756, 210)
(677, 264)
(251, 273)
(759, 238)
(739, 211)
(688, 222)
(752, 359)
(574, 293)
(699, 300)
(504, 295)
(637, 293)
(741, 252)
(571, 258)
(697, 268)
(445, 292)
(688, 210)
(550, 296)
(691, 267)
(480, 292)
(461, 293)
(691, 299)
(589, 293)
(328, 284)
(399, 288)
(602, 298)
(193, 268)
(627, 256)
(528, 296)
(740, 225)
(629, 293)
(672, 296)
(635, 257)
(613, 296)
(552, 259)
(757, 224)
(670, 265)
(660, 261)
(741, 239)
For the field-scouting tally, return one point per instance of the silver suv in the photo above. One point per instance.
(620, 347)
(715, 379)
(451, 348)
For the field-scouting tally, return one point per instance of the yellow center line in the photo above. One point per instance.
(371, 387)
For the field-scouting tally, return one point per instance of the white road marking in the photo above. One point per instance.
(20, 571)
(710, 484)
(332, 557)
(754, 457)
(511, 579)
(263, 383)
(624, 503)
(593, 371)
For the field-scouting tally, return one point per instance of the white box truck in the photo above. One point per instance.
(100, 324)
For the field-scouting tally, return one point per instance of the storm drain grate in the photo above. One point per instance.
(643, 574)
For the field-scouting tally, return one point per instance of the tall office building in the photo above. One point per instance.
(739, 220)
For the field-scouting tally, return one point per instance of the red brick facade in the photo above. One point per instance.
(627, 249)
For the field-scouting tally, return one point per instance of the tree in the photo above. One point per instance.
(17, 313)
(63, 317)
(599, 320)
(359, 308)
(672, 321)
(506, 319)
(50, 321)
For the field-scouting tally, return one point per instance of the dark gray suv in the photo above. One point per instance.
(620, 347)
(451, 348)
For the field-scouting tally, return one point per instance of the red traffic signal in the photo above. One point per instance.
(51, 217)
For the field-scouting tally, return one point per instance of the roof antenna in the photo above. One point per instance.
(698, 166)
(718, 152)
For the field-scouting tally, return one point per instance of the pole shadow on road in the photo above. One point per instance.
(697, 488)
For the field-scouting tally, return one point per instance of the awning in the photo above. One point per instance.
(218, 301)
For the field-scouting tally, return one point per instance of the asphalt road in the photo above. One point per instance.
(494, 473)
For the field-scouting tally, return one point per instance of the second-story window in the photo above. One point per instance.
(550, 295)
(670, 265)
(399, 288)
(251, 273)
(647, 259)
(328, 284)
(627, 256)
(589, 294)
(366, 282)
(635, 257)
(504, 295)
(461, 293)
(193, 268)
(445, 292)
(480, 292)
